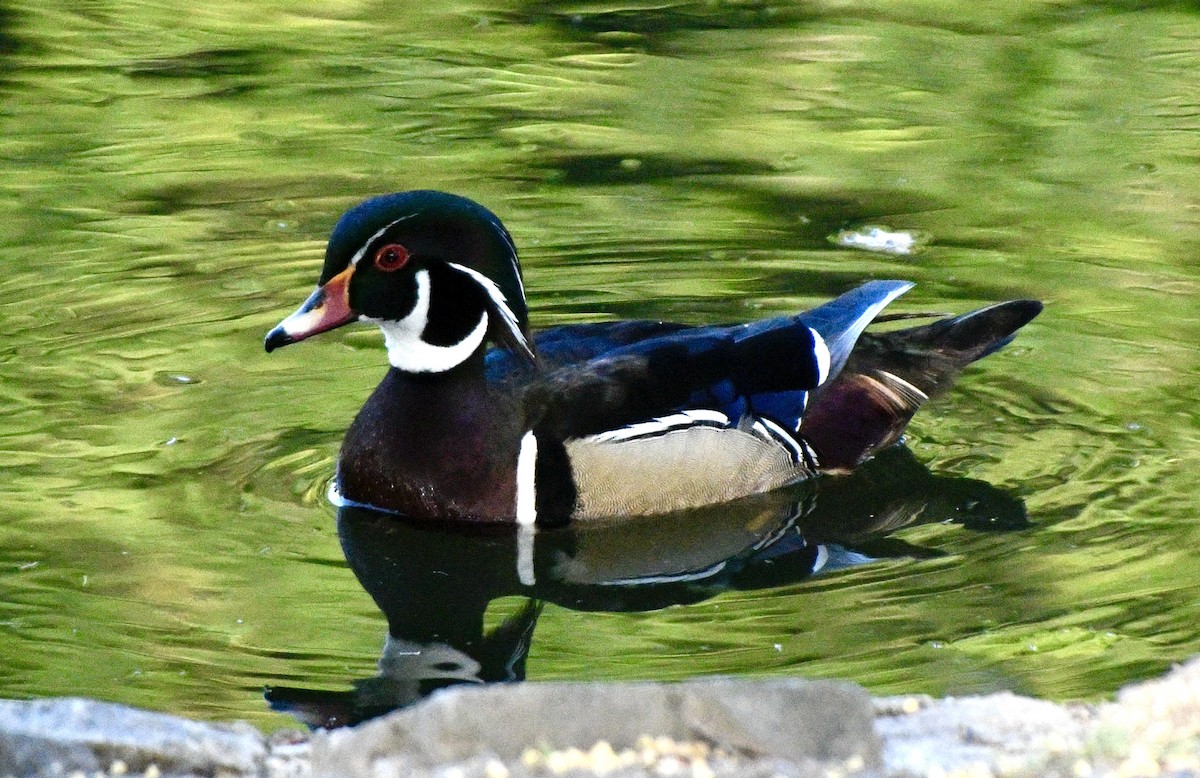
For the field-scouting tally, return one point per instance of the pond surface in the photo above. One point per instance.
(169, 173)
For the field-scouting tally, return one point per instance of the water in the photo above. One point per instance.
(170, 173)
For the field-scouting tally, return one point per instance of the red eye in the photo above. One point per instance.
(391, 257)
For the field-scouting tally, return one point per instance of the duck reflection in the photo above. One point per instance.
(434, 583)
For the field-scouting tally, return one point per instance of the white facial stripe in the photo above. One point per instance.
(526, 480)
(498, 298)
(517, 273)
(408, 352)
(362, 251)
(821, 354)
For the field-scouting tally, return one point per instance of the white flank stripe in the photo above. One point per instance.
(498, 298)
(408, 352)
(689, 418)
(821, 355)
(527, 480)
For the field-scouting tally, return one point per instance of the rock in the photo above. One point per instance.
(1153, 728)
(713, 728)
(995, 735)
(61, 736)
(805, 723)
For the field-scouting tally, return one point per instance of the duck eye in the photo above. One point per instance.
(391, 257)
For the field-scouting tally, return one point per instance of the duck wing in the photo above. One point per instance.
(765, 368)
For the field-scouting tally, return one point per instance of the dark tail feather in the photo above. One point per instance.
(890, 375)
(976, 334)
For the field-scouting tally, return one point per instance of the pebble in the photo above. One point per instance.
(662, 755)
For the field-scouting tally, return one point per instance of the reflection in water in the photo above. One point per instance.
(434, 583)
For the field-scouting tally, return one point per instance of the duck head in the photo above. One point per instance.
(438, 273)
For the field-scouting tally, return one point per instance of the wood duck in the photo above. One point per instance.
(600, 420)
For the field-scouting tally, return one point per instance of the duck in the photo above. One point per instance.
(480, 420)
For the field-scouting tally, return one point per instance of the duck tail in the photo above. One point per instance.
(889, 375)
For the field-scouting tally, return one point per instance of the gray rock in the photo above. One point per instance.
(1153, 728)
(998, 734)
(740, 729)
(791, 721)
(59, 736)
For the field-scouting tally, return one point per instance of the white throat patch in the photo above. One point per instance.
(408, 352)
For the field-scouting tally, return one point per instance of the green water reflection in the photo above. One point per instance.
(170, 172)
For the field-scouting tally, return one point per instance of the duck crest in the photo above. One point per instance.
(609, 419)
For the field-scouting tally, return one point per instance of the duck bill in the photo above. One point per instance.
(326, 308)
